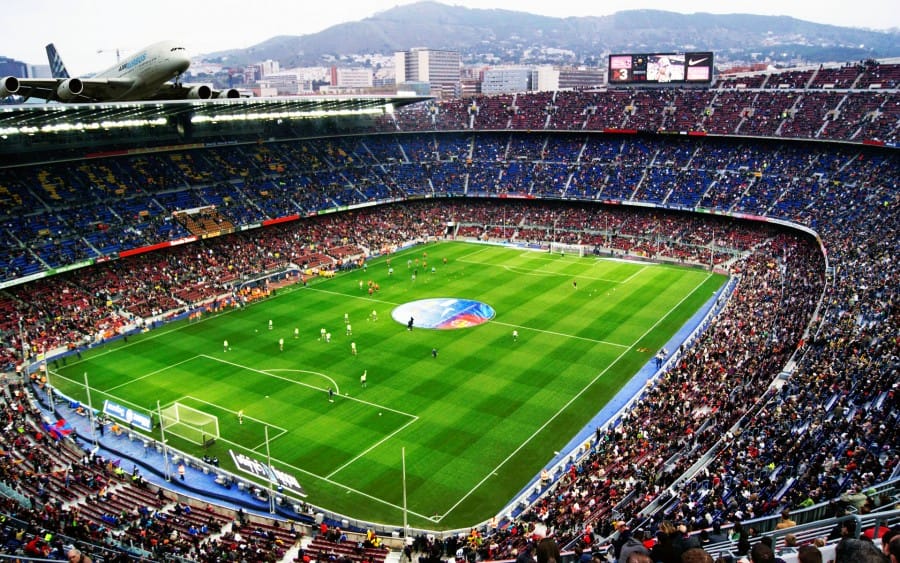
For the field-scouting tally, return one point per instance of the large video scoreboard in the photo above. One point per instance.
(661, 68)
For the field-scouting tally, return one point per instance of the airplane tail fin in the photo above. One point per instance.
(57, 68)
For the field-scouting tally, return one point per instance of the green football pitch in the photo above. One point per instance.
(476, 421)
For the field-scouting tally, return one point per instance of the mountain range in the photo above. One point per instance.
(503, 36)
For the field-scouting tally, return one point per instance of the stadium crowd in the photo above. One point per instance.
(855, 102)
(826, 429)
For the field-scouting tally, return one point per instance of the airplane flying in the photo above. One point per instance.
(142, 76)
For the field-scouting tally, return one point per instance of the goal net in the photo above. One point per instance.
(189, 423)
(563, 248)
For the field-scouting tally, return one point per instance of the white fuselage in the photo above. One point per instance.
(149, 68)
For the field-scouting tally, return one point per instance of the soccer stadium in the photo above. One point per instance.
(379, 329)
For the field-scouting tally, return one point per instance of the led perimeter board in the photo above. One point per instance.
(661, 68)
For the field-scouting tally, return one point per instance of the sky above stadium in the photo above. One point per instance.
(88, 32)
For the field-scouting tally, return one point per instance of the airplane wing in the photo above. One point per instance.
(44, 88)
(104, 89)
(65, 89)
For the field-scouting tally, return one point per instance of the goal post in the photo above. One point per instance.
(564, 248)
(191, 424)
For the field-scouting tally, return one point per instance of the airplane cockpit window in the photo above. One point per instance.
(177, 49)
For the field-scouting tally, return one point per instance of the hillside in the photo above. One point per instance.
(503, 36)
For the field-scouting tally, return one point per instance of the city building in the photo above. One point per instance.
(39, 71)
(257, 71)
(573, 78)
(440, 69)
(11, 67)
(285, 84)
(507, 80)
(351, 77)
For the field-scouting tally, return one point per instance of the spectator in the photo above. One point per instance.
(548, 551)
(696, 555)
(634, 543)
(526, 555)
(851, 550)
(75, 556)
(809, 554)
(785, 521)
(762, 553)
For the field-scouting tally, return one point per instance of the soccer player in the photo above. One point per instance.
(327, 337)
(270, 324)
(362, 378)
(434, 352)
(225, 346)
(346, 318)
(515, 335)
(322, 333)
(281, 344)
(296, 333)
(330, 395)
(349, 329)
(353, 348)
(241, 416)
(409, 325)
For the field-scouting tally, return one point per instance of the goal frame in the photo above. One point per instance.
(190, 424)
(565, 248)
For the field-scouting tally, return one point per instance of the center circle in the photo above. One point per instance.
(443, 313)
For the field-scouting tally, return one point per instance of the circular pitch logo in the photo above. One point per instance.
(443, 313)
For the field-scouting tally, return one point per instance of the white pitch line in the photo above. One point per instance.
(570, 401)
(632, 276)
(119, 400)
(479, 251)
(372, 447)
(327, 480)
(360, 297)
(525, 271)
(554, 333)
(282, 431)
(264, 372)
(345, 397)
(136, 379)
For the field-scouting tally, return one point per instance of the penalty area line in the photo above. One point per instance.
(372, 447)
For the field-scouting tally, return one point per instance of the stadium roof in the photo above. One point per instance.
(37, 118)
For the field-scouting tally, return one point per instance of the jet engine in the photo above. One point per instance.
(69, 90)
(9, 85)
(201, 92)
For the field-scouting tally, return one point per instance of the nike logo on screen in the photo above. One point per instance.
(693, 62)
